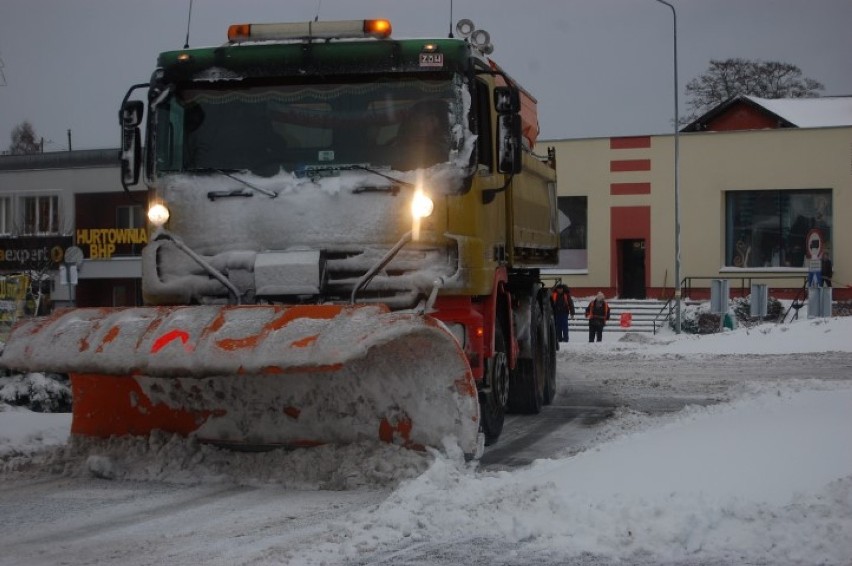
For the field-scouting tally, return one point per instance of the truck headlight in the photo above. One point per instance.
(421, 205)
(158, 214)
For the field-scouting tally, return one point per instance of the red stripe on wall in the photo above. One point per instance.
(630, 188)
(629, 223)
(630, 143)
(618, 165)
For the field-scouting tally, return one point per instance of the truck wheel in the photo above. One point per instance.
(526, 385)
(492, 401)
(548, 348)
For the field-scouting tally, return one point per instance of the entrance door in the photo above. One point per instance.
(631, 269)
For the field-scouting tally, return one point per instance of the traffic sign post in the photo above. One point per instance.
(68, 272)
(813, 251)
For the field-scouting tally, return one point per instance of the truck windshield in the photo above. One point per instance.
(397, 123)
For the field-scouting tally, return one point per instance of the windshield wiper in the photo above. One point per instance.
(213, 195)
(380, 174)
(316, 172)
(392, 189)
(229, 174)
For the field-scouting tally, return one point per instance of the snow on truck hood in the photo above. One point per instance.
(347, 207)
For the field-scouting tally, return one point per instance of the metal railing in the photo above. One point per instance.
(666, 308)
(745, 282)
(798, 302)
(665, 313)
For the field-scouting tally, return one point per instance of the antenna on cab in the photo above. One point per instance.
(188, 20)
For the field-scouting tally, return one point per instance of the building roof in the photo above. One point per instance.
(820, 112)
(61, 160)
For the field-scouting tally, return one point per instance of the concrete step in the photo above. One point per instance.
(646, 316)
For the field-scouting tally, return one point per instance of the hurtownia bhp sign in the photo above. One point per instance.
(102, 243)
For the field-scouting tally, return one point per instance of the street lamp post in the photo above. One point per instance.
(678, 288)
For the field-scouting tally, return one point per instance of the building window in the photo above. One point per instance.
(771, 228)
(41, 215)
(6, 215)
(129, 216)
(573, 220)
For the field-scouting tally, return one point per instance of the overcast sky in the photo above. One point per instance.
(597, 67)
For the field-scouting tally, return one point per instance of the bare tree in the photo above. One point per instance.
(24, 140)
(731, 77)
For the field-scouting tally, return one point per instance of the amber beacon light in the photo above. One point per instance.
(378, 29)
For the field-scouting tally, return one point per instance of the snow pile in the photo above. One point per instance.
(737, 483)
(816, 335)
(173, 459)
(38, 392)
(24, 433)
(803, 336)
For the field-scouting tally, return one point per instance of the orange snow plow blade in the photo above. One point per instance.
(258, 375)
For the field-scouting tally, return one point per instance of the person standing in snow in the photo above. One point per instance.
(597, 312)
(563, 307)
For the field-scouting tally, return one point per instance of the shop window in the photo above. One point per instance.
(129, 216)
(770, 228)
(41, 215)
(573, 220)
(6, 223)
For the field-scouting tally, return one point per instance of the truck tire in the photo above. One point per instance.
(492, 401)
(526, 383)
(548, 347)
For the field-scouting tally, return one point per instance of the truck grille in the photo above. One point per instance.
(405, 280)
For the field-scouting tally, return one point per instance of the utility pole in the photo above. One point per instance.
(678, 288)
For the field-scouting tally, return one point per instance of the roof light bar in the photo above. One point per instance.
(379, 29)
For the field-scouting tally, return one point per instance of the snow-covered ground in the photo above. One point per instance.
(762, 478)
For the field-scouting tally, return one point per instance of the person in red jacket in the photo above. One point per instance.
(597, 312)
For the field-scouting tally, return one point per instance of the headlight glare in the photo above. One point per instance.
(421, 205)
(158, 214)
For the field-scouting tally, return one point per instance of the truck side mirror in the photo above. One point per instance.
(506, 100)
(507, 103)
(509, 143)
(131, 141)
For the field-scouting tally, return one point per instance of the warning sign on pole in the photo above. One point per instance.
(813, 252)
(814, 244)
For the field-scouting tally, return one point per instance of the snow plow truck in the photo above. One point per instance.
(346, 232)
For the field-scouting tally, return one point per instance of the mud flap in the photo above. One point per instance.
(258, 375)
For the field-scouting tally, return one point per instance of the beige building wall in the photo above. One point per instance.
(614, 173)
(64, 183)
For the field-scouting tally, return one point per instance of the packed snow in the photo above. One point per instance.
(763, 477)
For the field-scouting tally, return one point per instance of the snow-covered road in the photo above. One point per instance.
(80, 521)
(653, 453)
